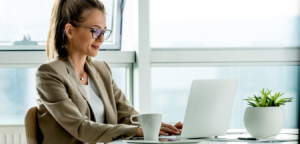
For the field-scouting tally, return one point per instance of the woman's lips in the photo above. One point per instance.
(95, 47)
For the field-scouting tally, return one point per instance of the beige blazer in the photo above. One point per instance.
(64, 113)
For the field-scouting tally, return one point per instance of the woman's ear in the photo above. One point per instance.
(69, 30)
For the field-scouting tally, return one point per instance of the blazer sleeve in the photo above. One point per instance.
(124, 108)
(52, 92)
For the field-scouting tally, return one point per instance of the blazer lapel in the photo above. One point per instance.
(96, 77)
(72, 71)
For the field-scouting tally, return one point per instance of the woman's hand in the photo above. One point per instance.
(139, 132)
(179, 126)
(167, 129)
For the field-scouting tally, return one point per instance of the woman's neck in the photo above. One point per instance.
(78, 62)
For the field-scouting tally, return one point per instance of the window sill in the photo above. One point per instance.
(39, 57)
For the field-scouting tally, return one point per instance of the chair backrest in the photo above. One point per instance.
(33, 133)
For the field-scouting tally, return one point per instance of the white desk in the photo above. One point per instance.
(234, 134)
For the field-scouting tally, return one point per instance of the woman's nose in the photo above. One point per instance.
(100, 38)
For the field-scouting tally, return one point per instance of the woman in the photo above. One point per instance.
(79, 102)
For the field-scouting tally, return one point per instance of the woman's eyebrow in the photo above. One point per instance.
(99, 26)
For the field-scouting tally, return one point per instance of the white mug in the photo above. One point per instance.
(150, 123)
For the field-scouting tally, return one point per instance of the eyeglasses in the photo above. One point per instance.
(97, 32)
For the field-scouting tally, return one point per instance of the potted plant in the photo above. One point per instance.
(265, 117)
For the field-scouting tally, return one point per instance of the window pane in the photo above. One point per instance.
(171, 86)
(225, 23)
(33, 16)
(18, 92)
(120, 78)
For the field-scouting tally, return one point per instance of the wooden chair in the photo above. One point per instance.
(33, 133)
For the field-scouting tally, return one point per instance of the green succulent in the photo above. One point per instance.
(267, 100)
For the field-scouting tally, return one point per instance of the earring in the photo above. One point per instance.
(70, 36)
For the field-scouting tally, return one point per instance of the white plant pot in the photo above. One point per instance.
(261, 122)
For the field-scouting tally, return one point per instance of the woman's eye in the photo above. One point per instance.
(93, 30)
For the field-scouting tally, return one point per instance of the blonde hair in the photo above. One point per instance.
(63, 12)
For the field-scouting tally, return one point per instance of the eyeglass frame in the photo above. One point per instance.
(93, 29)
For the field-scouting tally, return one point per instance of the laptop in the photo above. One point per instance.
(209, 108)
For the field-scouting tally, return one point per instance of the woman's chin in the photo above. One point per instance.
(94, 54)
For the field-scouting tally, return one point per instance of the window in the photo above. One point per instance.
(224, 23)
(250, 40)
(120, 78)
(18, 92)
(18, 64)
(34, 16)
(171, 87)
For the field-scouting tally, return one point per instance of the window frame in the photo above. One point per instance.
(32, 56)
(175, 57)
(195, 57)
(146, 57)
(115, 44)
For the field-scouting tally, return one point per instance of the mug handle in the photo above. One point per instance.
(132, 116)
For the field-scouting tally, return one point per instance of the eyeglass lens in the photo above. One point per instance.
(98, 32)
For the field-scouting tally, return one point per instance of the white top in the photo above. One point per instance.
(95, 100)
